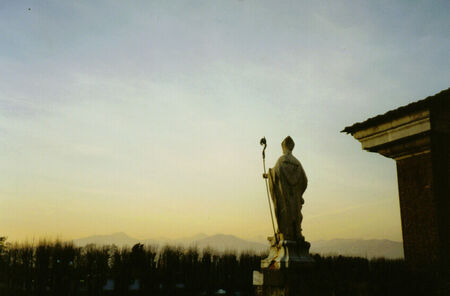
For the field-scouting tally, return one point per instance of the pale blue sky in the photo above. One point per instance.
(145, 116)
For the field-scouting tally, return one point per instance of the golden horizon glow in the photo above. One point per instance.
(146, 118)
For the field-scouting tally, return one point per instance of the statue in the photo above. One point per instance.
(287, 183)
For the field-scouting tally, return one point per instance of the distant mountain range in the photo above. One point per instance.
(359, 247)
(222, 242)
(219, 242)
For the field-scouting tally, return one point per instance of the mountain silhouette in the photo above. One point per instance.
(223, 242)
(373, 248)
(118, 239)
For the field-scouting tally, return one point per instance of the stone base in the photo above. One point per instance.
(287, 254)
(280, 283)
(283, 271)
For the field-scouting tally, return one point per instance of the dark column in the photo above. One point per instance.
(440, 158)
(418, 207)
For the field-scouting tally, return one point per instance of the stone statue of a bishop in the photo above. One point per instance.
(287, 183)
(289, 259)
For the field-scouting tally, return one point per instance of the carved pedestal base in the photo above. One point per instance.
(283, 282)
(282, 272)
(287, 254)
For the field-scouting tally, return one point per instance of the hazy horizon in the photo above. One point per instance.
(145, 118)
(261, 239)
(257, 238)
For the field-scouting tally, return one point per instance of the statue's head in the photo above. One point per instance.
(287, 145)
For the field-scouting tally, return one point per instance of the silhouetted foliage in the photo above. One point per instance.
(56, 268)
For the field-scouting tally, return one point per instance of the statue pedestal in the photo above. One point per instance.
(282, 272)
(287, 254)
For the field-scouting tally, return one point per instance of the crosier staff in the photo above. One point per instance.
(264, 143)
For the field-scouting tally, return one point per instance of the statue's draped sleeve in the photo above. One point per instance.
(272, 188)
(276, 190)
(294, 177)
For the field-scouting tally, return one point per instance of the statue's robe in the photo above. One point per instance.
(287, 182)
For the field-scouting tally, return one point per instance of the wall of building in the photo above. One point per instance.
(440, 146)
(420, 225)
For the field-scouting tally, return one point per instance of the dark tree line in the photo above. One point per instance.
(57, 268)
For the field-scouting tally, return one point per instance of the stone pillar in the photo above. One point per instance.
(417, 137)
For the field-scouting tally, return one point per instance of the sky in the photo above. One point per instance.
(145, 116)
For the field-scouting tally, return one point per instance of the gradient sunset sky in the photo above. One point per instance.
(145, 116)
